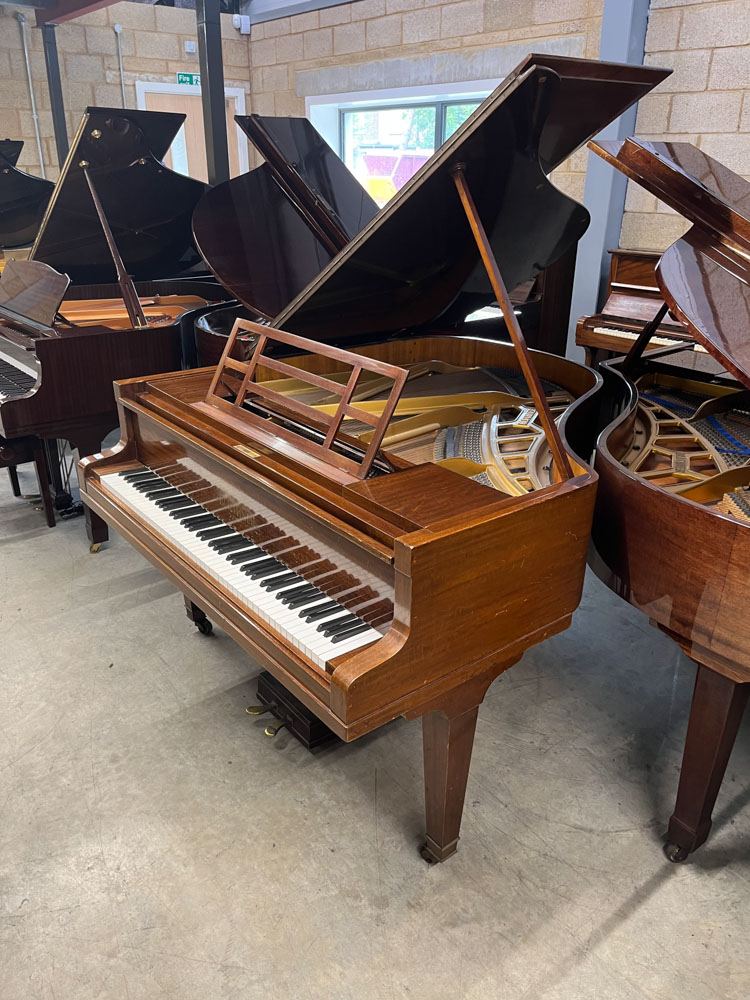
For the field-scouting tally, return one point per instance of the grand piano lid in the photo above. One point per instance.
(10, 150)
(23, 198)
(148, 206)
(705, 275)
(267, 233)
(410, 263)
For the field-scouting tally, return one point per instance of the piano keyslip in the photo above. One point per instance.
(243, 564)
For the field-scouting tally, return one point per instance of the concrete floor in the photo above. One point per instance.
(155, 843)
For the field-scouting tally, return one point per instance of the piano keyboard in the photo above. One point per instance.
(318, 607)
(14, 381)
(609, 331)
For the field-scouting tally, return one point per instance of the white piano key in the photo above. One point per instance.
(266, 604)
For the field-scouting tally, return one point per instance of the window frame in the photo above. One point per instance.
(441, 115)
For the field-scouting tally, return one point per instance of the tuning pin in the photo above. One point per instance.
(258, 709)
(272, 729)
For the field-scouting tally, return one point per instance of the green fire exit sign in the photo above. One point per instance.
(192, 79)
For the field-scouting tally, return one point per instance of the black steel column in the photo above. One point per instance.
(55, 91)
(212, 89)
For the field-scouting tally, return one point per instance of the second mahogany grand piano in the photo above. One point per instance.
(119, 225)
(377, 583)
(633, 298)
(672, 524)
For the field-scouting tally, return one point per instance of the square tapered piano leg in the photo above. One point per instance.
(715, 716)
(447, 744)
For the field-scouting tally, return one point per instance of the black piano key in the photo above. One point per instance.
(340, 636)
(206, 534)
(246, 555)
(302, 591)
(280, 581)
(207, 521)
(161, 493)
(321, 611)
(143, 485)
(196, 522)
(266, 567)
(229, 544)
(336, 624)
(173, 502)
(130, 474)
(300, 601)
(181, 512)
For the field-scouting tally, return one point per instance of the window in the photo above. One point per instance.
(385, 145)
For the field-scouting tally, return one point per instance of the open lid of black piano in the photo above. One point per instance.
(23, 198)
(409, 265)
(481, 210)
(545, 110)
(148, 207)
(268, 232)
(704, 276)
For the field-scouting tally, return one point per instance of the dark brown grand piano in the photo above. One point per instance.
(672, 525)
(388, 524)
(303, 206)
(23, 198)
(632, 299)
(119, 226)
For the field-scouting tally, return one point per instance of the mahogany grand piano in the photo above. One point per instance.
(119, 226)
(388, 523)
(672, 524)
(632, 299)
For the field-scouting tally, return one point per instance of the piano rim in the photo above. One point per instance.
(603, 454)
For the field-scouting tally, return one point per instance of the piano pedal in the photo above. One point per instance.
(273, 728)
(291, 713)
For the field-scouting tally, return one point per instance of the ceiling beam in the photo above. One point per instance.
(65, 10)
(34, 4)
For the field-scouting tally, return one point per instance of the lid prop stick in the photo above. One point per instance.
(563, 469)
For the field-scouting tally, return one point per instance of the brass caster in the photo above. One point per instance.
(94, 547)
(676, 854)
(258, 709)
(274, 728)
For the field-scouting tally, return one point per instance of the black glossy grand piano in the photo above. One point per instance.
(23, 198)
(118, 225)
(269, 232)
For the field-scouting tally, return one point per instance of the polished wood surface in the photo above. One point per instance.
(633, 299)
(440, 544)
(462, 582)
(705, 276)
(671, 534)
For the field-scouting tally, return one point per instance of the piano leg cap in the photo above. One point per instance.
(676, 854)
(434, 854)
(204, 626)
(94, 547)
